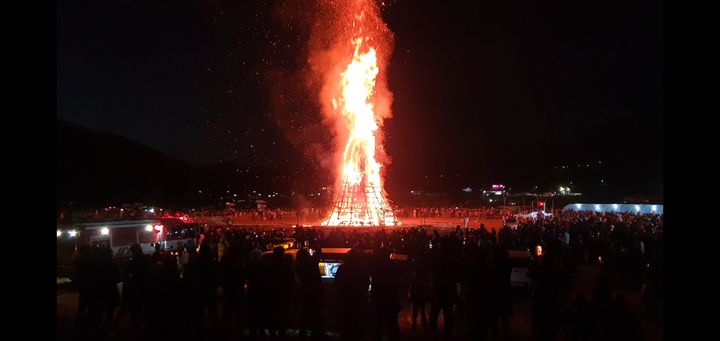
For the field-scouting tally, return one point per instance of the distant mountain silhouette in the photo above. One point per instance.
(97, 169)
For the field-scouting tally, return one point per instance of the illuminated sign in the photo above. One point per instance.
(498, 187)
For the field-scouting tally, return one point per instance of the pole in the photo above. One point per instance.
(297, 203)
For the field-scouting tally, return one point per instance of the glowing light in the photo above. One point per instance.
(59, 233)
(104, 231)
(148, 228)
(72, 233)
(151, 210)
(539, 250)
(637, 208)
(653, 208)
(578, 206)
(615, 206)
(158, 227)
(597, 207)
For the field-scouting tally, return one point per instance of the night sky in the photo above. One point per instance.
(484, 91)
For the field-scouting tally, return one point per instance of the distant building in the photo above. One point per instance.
(634, 208)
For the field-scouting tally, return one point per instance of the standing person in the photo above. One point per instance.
(479, 292)
(135, 287)
(256, 294)
(105, 293)
(280, 276)
(545, 301)
(154, 303)
(176, 324)
(208, 283)
(81, 278)
(184, 259)
(311, 288)
(232, 280)
(502, 298)
(385, 295)
(444, 290)
(419, 294)
(352, 281)
(222, 246)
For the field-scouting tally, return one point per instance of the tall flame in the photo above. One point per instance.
(359, 196)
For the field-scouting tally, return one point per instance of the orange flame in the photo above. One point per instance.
(360, 199)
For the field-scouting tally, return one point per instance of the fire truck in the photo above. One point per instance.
(166, 233)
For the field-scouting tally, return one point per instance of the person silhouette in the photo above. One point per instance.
(280, 278)
(419, 293)
(352, 281)
(311, 288)
(385, 295)
(80, 280)
(135, 287)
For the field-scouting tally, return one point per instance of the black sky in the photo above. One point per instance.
(484, 90)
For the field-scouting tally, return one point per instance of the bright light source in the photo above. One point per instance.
(654, 208)
(151, 210)
(104, 231)
(597, 207)
(578, 206)
(72, 233)
(148, 228)
(637, 208)
(59, 233)
(158, 227)
(615, 206)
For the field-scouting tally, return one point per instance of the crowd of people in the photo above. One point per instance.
(452, 212)
(115, 213)
(461, 274)
(142, 212)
